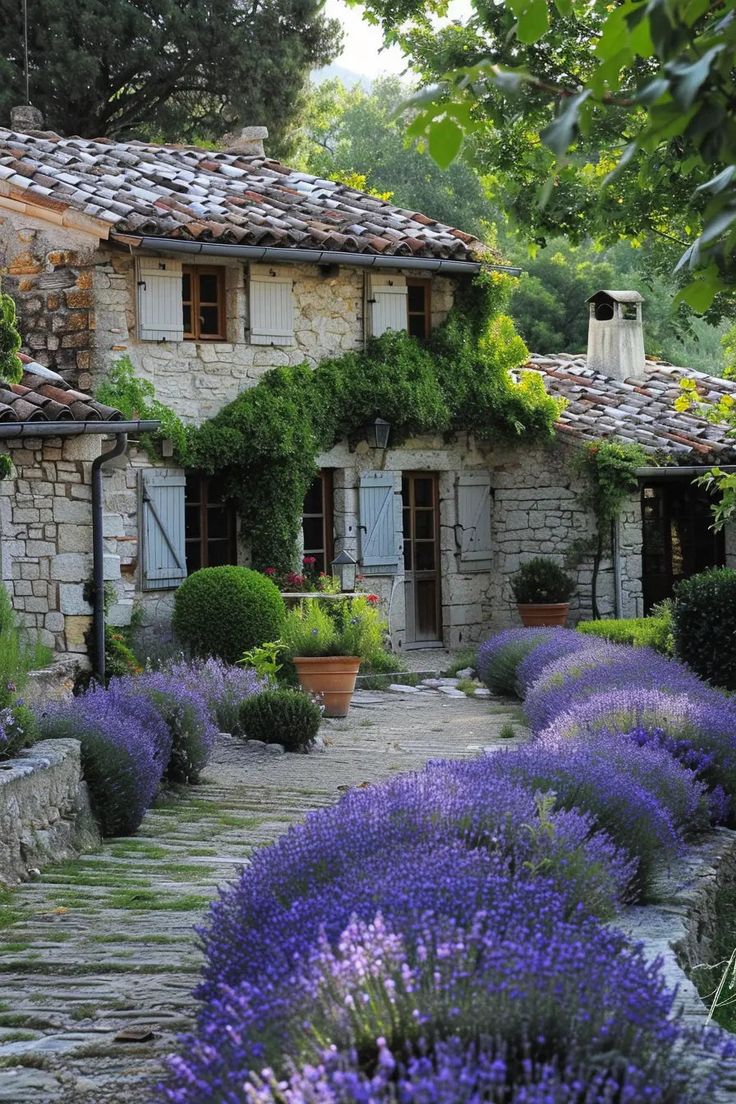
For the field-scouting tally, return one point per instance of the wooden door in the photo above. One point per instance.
(421, 517)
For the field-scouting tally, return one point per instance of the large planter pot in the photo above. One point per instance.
(535, 614)
(332, 677)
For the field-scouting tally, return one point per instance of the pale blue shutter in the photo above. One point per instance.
(474, 518)
(162, 528)
(379, 539)
(388, 304)
(160, 313)
(271, 303)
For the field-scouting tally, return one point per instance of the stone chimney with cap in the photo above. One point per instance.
(616, 335)
(249, 143)
(25, 118)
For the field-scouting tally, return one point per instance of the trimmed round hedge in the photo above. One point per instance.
(224, 611)
(704, 625)
(287, 717)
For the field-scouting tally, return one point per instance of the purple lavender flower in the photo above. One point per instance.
(222, 685)
(125, 748)
(559, 643)
(602, 667)
(500, 655)
(699, 731)
(191, 731)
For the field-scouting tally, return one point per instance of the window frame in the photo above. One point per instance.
(203, 540)
(194, 303)
(426, 312)
(327, 478)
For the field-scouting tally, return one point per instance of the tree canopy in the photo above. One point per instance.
(171, 70)
(612, 120)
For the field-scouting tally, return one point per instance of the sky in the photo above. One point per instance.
(363, 52)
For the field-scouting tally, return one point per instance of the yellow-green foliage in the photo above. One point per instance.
(649, 632)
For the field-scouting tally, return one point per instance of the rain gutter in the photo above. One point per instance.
(671, 471)
(281, 255)
(72, 429)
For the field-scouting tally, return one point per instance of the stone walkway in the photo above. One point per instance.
(96, 970)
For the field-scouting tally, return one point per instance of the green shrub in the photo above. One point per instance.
(18, 730)
(644, 632)
(351, 626)
(287, 717)
(224, 611)
(704, 625)
(541, 580)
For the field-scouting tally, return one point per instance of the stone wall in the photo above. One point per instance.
(49, 273)
(197, 379)
(44, 809)
(46, 536)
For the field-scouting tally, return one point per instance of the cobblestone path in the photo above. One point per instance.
(97, 967)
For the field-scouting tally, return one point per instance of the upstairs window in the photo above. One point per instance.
(419, 308)
(203, 303)
(210, 537)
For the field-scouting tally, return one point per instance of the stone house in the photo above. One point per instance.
(208, 268)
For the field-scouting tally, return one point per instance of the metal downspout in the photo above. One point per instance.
(98, 551)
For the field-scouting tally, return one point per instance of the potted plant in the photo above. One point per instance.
(326, 645)
(542, 591)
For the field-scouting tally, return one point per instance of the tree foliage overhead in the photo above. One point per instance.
(616, 119)
(356, 136)
(177, 70)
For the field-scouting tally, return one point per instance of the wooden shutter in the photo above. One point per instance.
(162, 528)
(160, 315)
(271, 307)
(474, 518)
(379, 544)
(388, 304)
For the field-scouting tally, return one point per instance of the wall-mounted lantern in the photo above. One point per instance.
(379, 433)
(344, 569)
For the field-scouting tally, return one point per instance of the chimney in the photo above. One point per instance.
(616, 335)
(25, 119)
(249, 143)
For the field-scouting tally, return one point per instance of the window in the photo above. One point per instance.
(419, 308)
(317, 522)
(203, 303)
(210, 538)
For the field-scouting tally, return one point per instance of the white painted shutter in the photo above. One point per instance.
(160, 314)
(388, 304)
(271, 307)
(162, 528)
(474, 518)
(379, 542)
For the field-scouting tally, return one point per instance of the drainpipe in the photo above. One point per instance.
(98, 549)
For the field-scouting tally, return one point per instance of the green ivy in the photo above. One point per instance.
(264, 444)
(11, 368)
(610, 471)
(136, 399)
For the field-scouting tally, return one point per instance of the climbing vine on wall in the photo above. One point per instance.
(136, 400)
(610, 472)
(11, 368)
(263, 446)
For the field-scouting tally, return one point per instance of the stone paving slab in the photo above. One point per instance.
(106, 942)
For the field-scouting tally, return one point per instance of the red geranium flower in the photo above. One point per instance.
(309, 561)
(269, 571)
(372, 598)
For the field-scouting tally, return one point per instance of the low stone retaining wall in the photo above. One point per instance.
(54, 683)
(680, 929)
(44, 809)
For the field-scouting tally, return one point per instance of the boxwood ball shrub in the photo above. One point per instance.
(287, 717)
(704, 625)
(224, 611)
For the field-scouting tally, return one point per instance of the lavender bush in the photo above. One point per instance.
(223, 686)
(500, 656)
(601, 667)
(698, 731)
(186, 715)
(126, 746)
(559, 643)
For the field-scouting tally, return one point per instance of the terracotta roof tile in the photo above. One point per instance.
(135, 188)
(639, 410)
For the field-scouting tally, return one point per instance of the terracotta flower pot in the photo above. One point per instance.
(534, 614)
(332, 677)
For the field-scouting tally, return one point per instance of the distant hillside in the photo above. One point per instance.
(348, 76)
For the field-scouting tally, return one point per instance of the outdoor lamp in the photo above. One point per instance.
(344, 568)
(379, 433)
